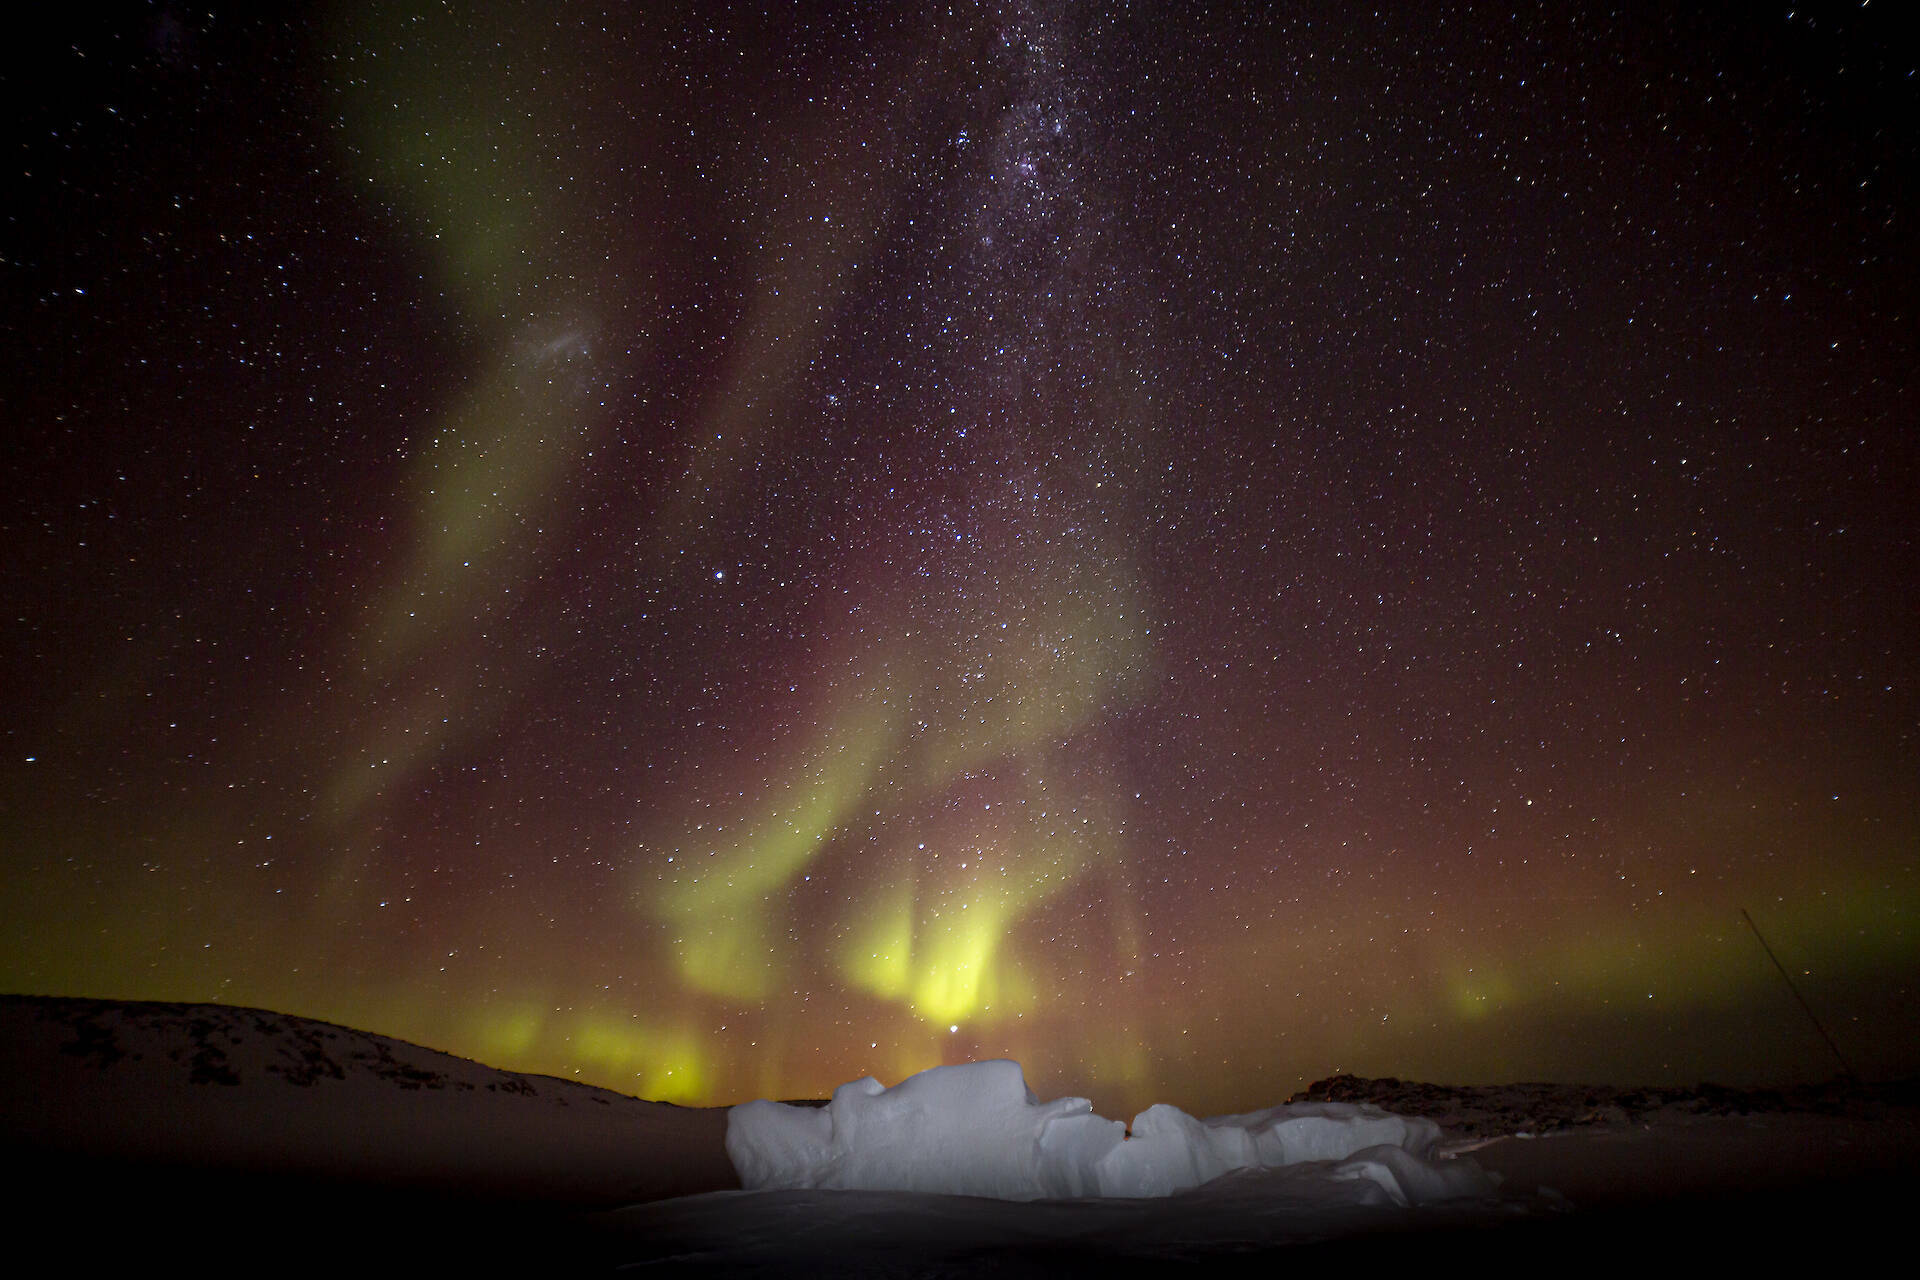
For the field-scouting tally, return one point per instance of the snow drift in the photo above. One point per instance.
(976, 1129)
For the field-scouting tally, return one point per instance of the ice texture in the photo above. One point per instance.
(973, 1129)
(977, 1129)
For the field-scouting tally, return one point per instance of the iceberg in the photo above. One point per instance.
(976, 1129)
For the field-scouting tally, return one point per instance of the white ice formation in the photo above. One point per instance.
(976, 1129)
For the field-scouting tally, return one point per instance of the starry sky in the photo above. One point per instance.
(719, 549)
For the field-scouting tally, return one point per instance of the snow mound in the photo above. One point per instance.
(976, 1129)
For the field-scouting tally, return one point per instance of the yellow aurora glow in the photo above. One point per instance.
(925, 800)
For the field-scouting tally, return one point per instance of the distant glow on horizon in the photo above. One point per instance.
(718, 558)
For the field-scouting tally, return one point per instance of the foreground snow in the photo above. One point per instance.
(137, 1121)
(859, 1233)
(975, 1129)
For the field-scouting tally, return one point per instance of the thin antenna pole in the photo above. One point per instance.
(1845, 1070)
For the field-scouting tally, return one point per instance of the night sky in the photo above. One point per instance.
(723, 549)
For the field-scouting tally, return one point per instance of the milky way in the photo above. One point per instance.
(722, 551)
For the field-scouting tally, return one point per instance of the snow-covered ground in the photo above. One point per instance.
(215, 1087)
(286, 1146)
